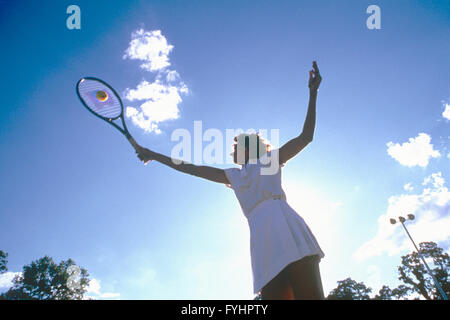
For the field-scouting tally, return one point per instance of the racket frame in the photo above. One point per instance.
(109, 120)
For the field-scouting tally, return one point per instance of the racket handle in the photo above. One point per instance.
(133, 142)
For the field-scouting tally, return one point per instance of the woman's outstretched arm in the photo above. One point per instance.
(205, 172)
(294, 146)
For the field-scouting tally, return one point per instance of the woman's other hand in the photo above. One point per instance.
(314, 78)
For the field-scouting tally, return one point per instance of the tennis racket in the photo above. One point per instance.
(104, 102)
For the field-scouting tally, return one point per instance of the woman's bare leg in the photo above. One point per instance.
(304, 278)
(278, 288)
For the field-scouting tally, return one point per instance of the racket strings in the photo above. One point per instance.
(109, 107)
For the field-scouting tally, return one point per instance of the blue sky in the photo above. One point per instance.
(72, 186)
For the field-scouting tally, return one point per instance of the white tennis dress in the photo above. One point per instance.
(278, 235)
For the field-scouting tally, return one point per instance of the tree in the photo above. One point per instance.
(43, 279)
(349, 289)
(415, 276)
(386, 293)
(3, 261)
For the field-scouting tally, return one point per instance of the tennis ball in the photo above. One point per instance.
(101, 96)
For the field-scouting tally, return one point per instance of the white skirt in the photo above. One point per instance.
(278, 237)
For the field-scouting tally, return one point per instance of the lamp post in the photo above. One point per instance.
(402, 221)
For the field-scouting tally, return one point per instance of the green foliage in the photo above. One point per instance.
(349, 289)
(413, 274)
(387, 293)
(45, 280)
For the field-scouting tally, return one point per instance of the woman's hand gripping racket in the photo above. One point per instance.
(104, 102)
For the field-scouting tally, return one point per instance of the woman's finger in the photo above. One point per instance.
(315, 67)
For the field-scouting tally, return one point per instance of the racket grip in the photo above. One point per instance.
(133, 142)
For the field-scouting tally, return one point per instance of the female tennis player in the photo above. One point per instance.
(285, 255)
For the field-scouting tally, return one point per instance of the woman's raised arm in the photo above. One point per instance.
(294, 146)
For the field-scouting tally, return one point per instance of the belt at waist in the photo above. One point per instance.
(273, 197)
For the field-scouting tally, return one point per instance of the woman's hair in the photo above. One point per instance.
(256, 145)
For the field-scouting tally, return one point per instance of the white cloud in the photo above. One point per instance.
(435, 179)
(93, 291)
(94, 286)
(6, 280)
(159, 100)
(110, 295)
(416, 152)
(172, 75)
(160, 104)
(446, 113)
(408, 187)
(151, 47)
(432, 223)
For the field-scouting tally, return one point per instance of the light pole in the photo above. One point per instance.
(411, 217)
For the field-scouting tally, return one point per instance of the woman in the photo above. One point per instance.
(284, 253)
